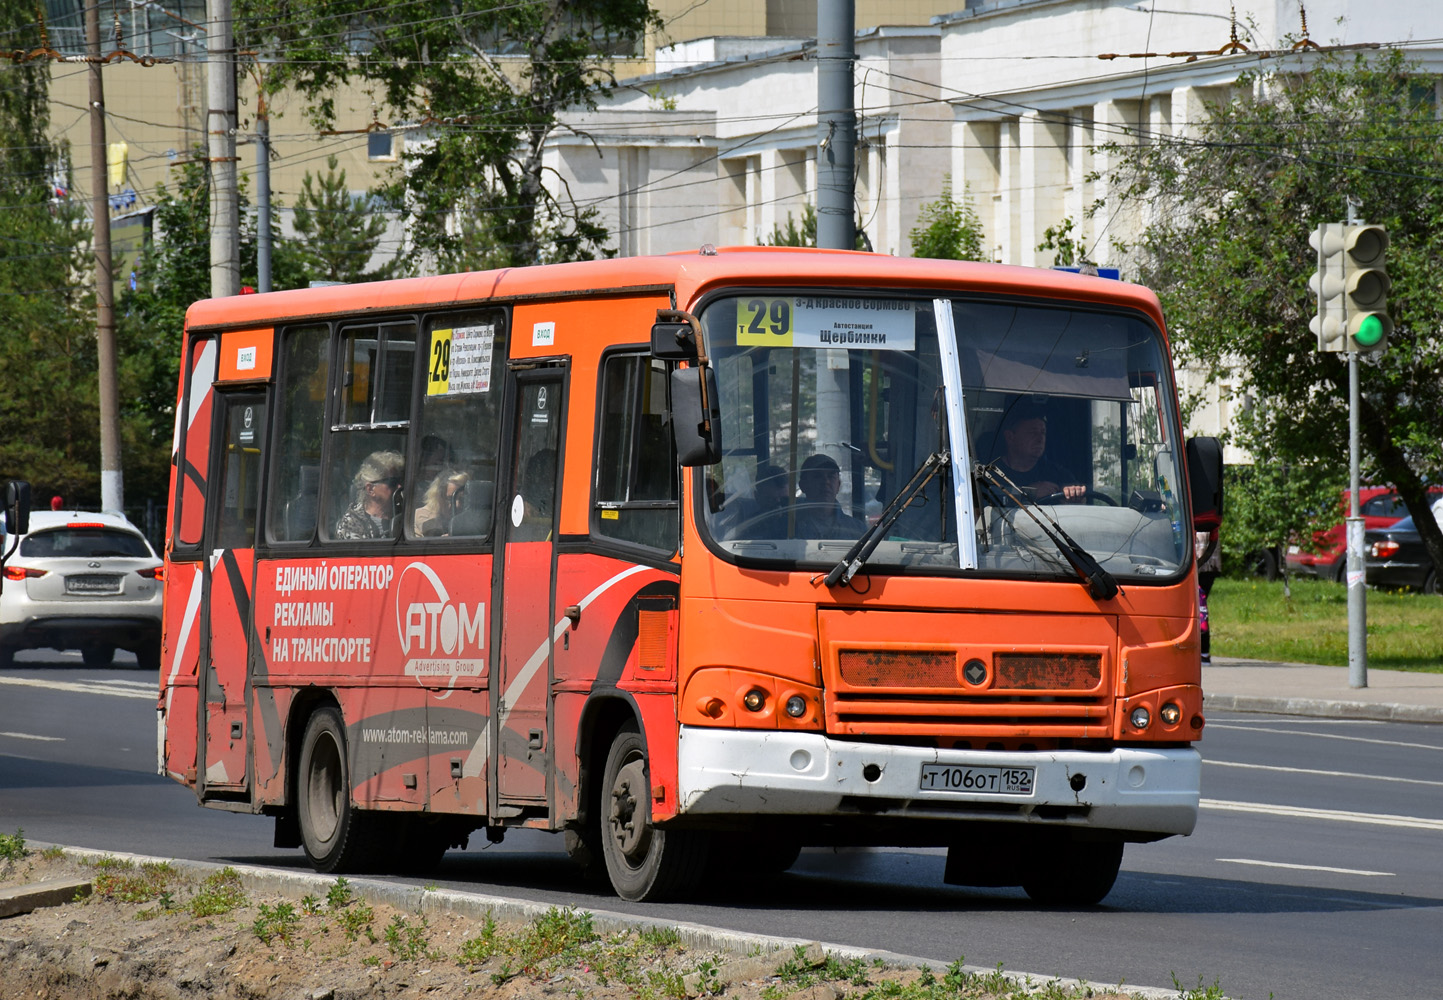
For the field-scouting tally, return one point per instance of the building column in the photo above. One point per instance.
(974, 171)
(1042, 175)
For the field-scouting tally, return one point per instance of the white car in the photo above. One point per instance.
(81, 580)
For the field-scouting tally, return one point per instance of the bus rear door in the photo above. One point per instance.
(525, 595)
(227, 627)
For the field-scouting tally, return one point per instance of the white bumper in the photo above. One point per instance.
(779, 773)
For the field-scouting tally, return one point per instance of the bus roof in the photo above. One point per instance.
(689, 274)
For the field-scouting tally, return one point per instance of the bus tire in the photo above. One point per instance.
(645, 864)
(1073, 872)
(334, 834)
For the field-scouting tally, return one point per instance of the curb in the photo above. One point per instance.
(479, 905)
(1323, 708)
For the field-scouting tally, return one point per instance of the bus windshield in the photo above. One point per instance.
(831, 403)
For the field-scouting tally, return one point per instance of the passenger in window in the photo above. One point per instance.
(376, 494)
(444, 498)
(820, 515)
(764, 513)
(1024, 454)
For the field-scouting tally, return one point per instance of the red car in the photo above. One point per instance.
(1380, 507)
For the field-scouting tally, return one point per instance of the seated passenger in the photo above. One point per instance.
(444, 497)
(819, 515)
(375, 494)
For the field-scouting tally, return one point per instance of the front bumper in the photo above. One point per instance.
(1131, 790)
(74, 632)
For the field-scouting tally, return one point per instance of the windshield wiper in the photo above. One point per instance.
(863, 547)
(1100, 583)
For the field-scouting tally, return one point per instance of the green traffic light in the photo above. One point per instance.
(1370, 331)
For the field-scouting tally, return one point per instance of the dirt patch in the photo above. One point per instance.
(153, 932)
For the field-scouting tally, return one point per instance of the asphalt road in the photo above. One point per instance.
(1316, 870)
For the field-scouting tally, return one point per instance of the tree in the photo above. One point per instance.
(947, 228)
(1231, 207)
(804, 234)
(339, 234)
(485, 85)
(49, 408)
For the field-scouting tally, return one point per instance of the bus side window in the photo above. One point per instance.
(636, 496)
(363, 491)
(301, 412)
(453, 486)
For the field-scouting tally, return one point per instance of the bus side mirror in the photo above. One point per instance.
(1205, 482)
(675, 336)
(17, 507)
(695, 418)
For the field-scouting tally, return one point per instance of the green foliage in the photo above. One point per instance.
(339, 232)
(474, 185)
(1270, 504)
(1199, 992)
(478, 950)
(49, 410)
(276, 922)
(125, 882)
(804, 233)
(12, 846)
(310, 905)
(405, 940)
(1066, 243)
(1227, 251)
(948, 228)
(339, 894)
(220, 892)
(659, 937)
(355, 920)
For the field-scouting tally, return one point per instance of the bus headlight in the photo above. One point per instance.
(796, 706)
(1140, 717)
(1170, 713)
(755, 700)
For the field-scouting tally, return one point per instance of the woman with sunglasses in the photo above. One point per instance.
(375, 493)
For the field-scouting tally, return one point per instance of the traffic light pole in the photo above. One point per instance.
(1357, 594)
(1356, 573)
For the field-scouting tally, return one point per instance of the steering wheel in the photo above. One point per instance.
(1089, 495)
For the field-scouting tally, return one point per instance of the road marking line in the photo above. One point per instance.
(1328, 774)
(1305, 868)
(32, 736)
(79, 688)
(153, 686)
(1327, 736)
(1337, 815)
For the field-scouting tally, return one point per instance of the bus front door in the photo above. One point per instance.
(526, 596)
(228, 589)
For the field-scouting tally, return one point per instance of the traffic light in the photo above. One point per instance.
(1366, 287)
(1351, 286)
(1328, 285)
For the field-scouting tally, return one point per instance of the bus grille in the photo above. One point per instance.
(926, 693)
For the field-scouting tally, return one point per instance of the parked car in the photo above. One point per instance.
(1379, 506)
(1395, 556)
(82, 580)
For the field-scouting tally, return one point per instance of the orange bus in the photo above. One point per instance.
(697, 559)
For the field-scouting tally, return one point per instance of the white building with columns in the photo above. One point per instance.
(1016, 99)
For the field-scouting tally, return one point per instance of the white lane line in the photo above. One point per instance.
(32, 736)
(1327, 774)
(1327, 736)
(153, 685)
(1336, 815)
(1306, 868)
(150, 695)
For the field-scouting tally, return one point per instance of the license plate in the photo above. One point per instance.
(92, 584)
(966, 778)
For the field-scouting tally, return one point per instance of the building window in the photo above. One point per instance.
(382, 146)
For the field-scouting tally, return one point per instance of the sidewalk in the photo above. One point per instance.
(1304, 689)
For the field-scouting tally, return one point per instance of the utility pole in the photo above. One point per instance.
(263, 196)
(836, 124)
(111, 484)
(221, 129)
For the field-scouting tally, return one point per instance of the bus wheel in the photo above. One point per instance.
(1073, 872)
(645, 864)
(333, 832)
